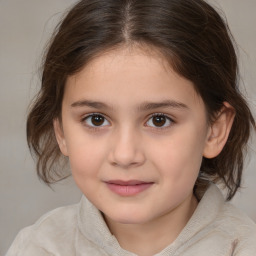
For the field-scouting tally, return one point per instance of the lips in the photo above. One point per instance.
(128, 188)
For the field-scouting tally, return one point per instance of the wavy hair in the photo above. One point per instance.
(190, 34)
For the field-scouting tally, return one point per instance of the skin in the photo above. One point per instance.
(128, 145)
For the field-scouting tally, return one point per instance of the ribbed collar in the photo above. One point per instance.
(94, 228)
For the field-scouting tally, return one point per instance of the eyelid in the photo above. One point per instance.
(85, 117)
(164, 115)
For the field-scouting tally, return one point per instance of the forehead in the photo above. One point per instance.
(127, 76)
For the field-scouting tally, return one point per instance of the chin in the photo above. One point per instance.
(129, 217)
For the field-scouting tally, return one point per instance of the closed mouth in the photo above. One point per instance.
(127, 183)
(128, 188)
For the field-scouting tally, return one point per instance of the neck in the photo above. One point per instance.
(153, 236)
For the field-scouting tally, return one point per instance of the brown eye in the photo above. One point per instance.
(159, 121)
(96, 120)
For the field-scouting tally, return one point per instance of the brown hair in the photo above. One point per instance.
(189, 33)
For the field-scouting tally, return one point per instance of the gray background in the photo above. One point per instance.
(25, 26)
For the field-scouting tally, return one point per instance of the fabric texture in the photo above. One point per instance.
(216, 228)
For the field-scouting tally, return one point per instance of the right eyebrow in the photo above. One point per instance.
(92, 104)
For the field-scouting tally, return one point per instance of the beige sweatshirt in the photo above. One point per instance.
(216, 229)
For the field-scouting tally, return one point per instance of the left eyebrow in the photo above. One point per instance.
(164, 104)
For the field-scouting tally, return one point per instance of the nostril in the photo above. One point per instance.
(125, 149)
(127, 161)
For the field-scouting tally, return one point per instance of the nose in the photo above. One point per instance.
(126, 149)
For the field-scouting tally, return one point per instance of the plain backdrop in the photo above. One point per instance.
(25, 26)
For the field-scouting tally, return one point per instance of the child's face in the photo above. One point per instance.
(130, 165)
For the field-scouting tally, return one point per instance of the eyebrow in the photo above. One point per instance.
(92, 104)
(163, 104)
(145, 106)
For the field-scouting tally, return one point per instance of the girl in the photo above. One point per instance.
(141, 98)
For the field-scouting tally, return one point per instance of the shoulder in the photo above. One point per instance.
(232, 220)
(224, 215)
(224, 229)
(57, 219)
(234, 227)
(40, 238)
(235, 224)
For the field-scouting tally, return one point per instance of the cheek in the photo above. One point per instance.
(86, 163)
(180, 156)
(85, 157)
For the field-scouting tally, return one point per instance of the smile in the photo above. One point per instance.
(128, 188)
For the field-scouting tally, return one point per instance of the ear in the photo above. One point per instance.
(219, 131)
(59, 134)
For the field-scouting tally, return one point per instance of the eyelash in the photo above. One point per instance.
(95, 128)
(167, 119)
